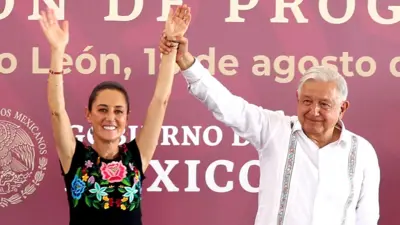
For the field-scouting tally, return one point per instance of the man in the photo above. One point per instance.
(313, 171)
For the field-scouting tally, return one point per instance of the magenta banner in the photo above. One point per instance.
(202, 173)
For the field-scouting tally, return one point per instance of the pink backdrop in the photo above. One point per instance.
(373, 112)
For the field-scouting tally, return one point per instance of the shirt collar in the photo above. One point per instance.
(344, 138)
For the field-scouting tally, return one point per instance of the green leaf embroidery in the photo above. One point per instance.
(95, 173)
(122, 190)
(79, 172)
(104, 182)
(76, 201)
(126, 181)
(132, 207)
(128, 155)
(90, 199)
(87, 200)
(96, 205)
(126, 161)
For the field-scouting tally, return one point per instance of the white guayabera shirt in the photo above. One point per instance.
(300, 184)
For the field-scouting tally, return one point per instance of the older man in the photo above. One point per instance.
(313, 171)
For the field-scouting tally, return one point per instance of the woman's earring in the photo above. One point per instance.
(91, 130)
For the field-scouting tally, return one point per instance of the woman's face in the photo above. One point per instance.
(109, 115)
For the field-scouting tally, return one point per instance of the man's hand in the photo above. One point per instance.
(165, 46)
(183, 58)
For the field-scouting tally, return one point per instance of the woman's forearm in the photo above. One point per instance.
(55, 88)
(165, 76)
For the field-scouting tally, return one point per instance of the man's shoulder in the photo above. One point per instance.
(364, 145)
(366, 153)
(360, 139)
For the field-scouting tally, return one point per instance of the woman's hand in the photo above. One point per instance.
(57, 36)
(178, 22)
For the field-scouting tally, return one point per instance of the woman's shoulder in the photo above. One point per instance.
(133, 156)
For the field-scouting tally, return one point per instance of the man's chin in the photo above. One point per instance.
(312, 129)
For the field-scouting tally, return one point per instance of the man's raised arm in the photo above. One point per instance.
(249, 121)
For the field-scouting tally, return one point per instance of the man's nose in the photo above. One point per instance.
(315, 109)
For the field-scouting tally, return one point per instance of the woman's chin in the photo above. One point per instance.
(110, 137)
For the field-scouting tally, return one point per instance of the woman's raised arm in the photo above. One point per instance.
(147, 140)
(58, 38)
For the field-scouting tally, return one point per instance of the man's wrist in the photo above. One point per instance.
(171, 38)
(186, 61)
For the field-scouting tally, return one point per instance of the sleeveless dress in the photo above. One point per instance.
(102, 191)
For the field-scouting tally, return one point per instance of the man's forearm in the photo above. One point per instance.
(247, 120)
(185, 61)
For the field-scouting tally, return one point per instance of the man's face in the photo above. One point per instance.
(319, 108)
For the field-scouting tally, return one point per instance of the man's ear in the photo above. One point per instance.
(343, 108)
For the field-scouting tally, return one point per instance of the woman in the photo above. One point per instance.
(104, 180)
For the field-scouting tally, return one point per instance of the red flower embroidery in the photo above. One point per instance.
(113, 172)
(114, 202)
(125, 148)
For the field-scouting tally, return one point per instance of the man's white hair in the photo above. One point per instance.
(325, 74)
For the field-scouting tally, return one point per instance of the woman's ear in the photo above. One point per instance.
(87, 115)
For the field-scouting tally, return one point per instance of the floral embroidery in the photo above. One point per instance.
(85, 177)
(113, 172)
(101, 185)
(130, 192)
(99, 191)
(290, 160)
(351, 170)
(88, 164)
(77, 188)
(287, 177)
